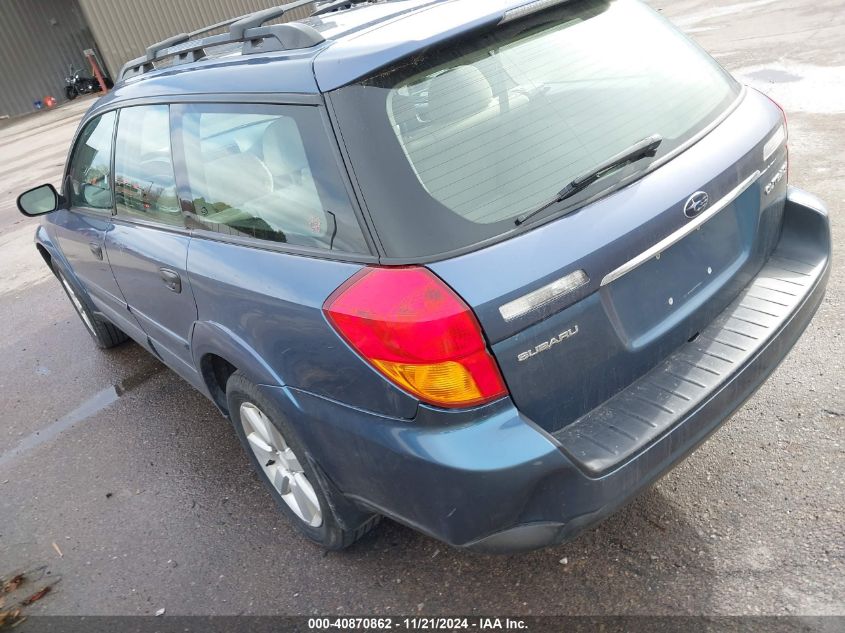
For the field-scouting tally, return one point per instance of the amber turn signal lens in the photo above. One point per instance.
(443, 384)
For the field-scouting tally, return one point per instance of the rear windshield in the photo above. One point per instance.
(452, 145)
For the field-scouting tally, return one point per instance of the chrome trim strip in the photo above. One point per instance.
(681, 233)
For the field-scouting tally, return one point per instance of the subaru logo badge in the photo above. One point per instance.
(697, 203)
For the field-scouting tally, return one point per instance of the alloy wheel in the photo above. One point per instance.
(280, 464)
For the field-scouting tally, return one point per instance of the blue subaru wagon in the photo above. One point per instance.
(486, 267)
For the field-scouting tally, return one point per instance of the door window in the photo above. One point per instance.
(144, 183)
(267, 172)
(89, 176)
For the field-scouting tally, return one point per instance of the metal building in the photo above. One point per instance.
(123, 30)
(39, 39)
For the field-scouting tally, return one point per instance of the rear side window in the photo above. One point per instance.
(266, 172)
(452, 145)
(144, 183)
(89, 176)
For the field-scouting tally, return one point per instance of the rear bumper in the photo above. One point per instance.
(491, 480)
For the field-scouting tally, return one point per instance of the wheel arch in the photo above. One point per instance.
(218, 353)
(45, 255)
(48, 250)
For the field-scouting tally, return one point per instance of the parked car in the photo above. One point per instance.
(488, 268)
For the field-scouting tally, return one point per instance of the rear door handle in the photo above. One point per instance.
(96, 249)
(171, 279)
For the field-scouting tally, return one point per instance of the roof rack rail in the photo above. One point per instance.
(248, 29)
(184, 37)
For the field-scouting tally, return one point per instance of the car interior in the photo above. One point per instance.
(259, 187)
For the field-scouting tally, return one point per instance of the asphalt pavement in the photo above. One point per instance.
(128, 493)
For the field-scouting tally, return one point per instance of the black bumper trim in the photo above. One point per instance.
(624, 425)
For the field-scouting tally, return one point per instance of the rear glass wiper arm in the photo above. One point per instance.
(641, 149)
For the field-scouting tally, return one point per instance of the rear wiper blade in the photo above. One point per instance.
(641, 149)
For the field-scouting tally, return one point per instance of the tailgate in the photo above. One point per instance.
(656, 277)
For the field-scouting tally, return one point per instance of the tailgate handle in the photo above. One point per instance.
(171, 279)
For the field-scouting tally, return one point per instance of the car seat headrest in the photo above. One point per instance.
(458, 94)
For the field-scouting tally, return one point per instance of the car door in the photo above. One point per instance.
(148, 243)
(80, 228)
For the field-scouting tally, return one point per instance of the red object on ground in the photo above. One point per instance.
(49, 101)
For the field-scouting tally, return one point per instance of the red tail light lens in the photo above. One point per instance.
(418, 333)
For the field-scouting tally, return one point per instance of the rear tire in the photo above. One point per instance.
(105, 334)
(286, 467)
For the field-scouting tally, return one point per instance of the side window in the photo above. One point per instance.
(144, 184)
(267, 172)
(89, 176)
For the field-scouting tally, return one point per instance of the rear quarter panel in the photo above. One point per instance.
(261, 310)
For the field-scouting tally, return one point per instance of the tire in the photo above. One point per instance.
(292, 471)
(71, 93)
(105, 334)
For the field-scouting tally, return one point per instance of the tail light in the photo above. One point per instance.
(418, 333)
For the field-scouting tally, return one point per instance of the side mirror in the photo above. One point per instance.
(38, 201)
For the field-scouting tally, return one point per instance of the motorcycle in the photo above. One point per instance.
(79, 84)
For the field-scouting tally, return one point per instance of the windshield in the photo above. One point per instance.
(452, 145)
